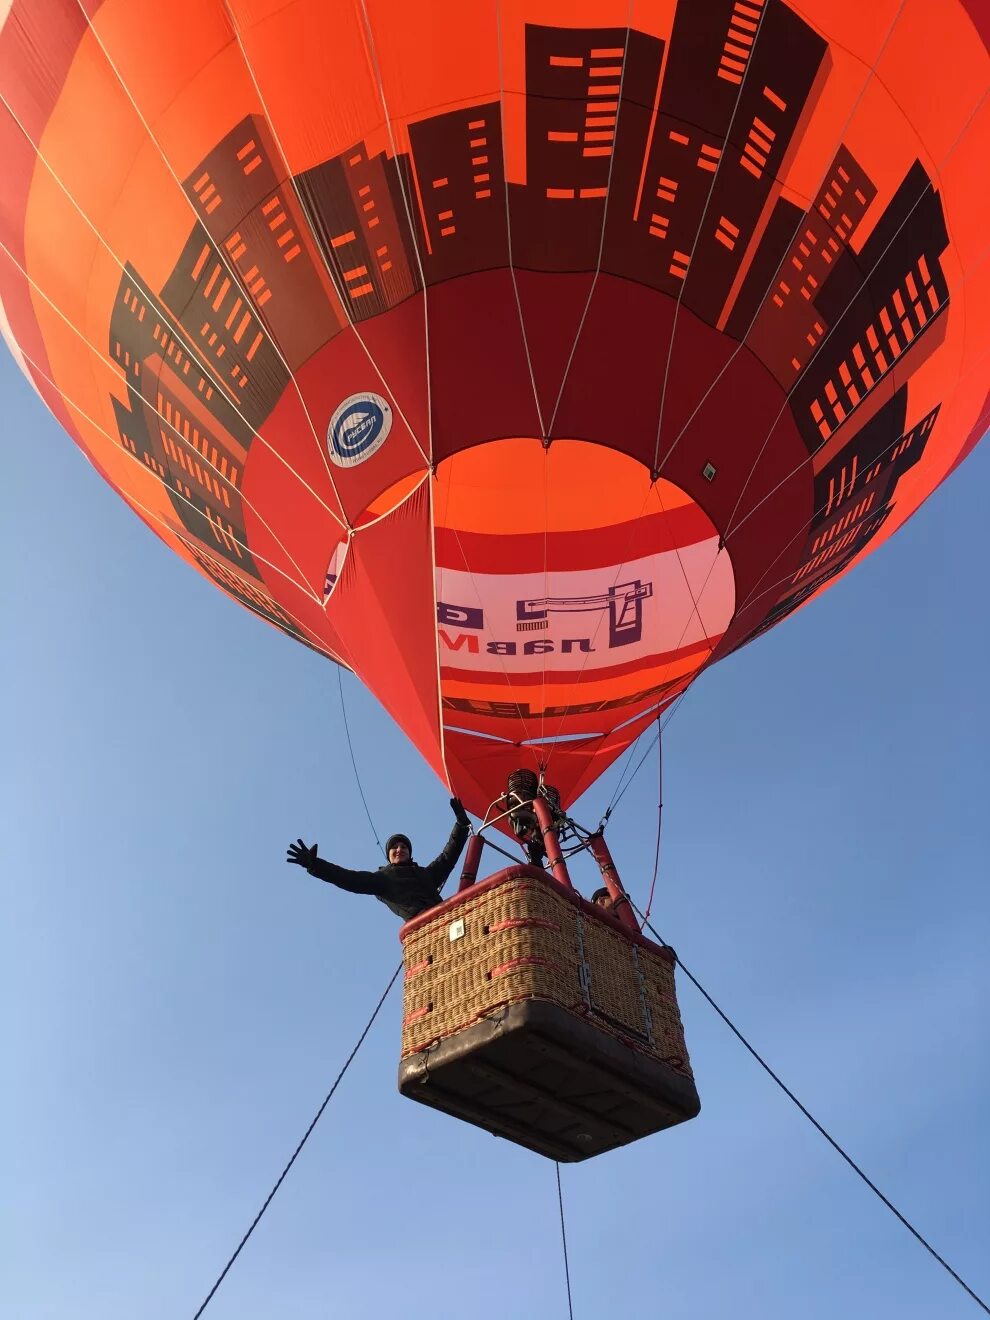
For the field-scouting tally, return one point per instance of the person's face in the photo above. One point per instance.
(398, 853)
(604, 901)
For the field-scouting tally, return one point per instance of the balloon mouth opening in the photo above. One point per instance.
(576, 594)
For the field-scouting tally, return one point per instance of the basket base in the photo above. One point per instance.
(541, 1076)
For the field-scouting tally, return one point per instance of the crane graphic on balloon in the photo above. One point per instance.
(527, 406)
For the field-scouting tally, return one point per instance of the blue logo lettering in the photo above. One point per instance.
(358, 429)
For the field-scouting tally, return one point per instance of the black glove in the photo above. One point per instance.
(457, 807)
(300, 855)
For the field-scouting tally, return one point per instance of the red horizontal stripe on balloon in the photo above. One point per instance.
(537, 677)
(598, 547)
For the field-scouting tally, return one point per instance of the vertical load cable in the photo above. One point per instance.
(563, 1240)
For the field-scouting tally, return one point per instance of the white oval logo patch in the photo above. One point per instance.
(358, 428)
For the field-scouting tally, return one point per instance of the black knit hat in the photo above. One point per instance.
(393, 839)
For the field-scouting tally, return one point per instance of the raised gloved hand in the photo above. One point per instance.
(457, 807)
(300, 855)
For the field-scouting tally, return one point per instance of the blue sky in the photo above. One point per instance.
(178, 1000)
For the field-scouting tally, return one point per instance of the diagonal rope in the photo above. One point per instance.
(305, 1137)
(814, 1121)
(563, 1243)
(347, 1063)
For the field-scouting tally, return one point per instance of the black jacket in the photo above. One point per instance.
(408, 889)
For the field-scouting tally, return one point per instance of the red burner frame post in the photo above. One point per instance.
(472, 860)
(620, 899)
(555, 858)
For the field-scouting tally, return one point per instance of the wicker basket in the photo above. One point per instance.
(520, 939)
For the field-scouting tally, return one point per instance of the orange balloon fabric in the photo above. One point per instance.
(524, 356)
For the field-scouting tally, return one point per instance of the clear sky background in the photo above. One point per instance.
(177, 1000)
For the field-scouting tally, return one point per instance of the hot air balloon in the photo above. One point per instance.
(525, 358)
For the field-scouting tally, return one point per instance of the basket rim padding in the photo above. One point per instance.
(524, 871)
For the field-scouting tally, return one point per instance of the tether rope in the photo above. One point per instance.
(305, 1138)
(814, 1121)
(644, 919)
(350, 1058)
(563, 1240)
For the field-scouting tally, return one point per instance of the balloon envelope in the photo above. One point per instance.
(524, 356)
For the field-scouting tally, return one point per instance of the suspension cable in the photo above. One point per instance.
(563, 1242)
(350, 748)
(305, 1137)
(814, 1121)
(661, 725)
(627, 762)
(656, 856)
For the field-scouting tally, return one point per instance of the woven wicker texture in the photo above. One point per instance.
(500, 958)
(524, 939)
(661, 999)
(616, 993)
